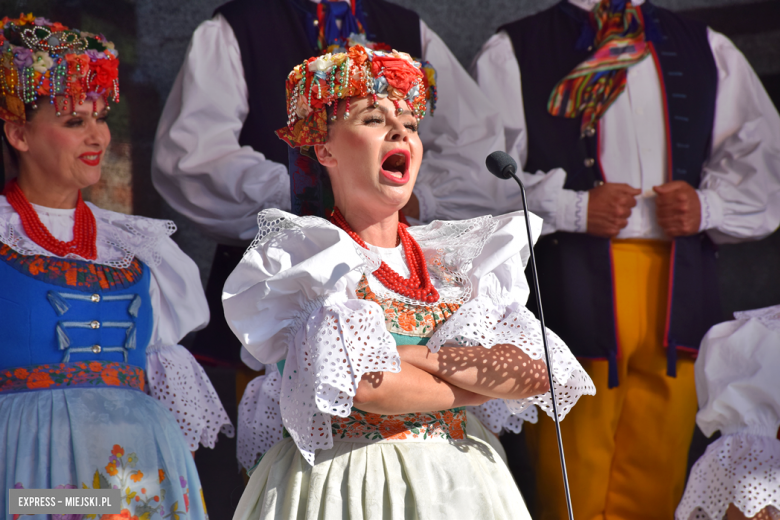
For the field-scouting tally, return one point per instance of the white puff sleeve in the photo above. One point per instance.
(293, 297)
(175, 377)
(739, 395)
(496, 314)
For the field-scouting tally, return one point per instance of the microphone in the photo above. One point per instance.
(503, 166)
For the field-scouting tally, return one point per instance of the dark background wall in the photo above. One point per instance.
(152, 37)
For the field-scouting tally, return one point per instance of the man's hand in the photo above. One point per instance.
(678, 209)
(609, 207)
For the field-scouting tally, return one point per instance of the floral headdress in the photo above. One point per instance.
(321, 81)
(39, 58)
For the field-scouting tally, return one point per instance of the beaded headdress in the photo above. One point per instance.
(322, 81)
(39, 58)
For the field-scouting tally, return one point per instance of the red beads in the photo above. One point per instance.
(418, 286)
(84, 243)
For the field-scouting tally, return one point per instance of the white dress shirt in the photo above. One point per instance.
(739, 395)
(203, 173)
(740, 188)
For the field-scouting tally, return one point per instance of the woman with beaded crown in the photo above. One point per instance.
(383, 332)
(94, 303)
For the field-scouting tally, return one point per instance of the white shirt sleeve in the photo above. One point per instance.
(177, 296)
(454, 183)
(496, 71)
(740, 188)
(198, 165)
(176, 379)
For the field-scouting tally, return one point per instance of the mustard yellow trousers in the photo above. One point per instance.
(626, 448)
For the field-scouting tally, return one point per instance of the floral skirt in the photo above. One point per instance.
(401, 477)
(99, 438)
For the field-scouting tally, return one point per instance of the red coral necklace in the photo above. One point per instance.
(84, 243)
(418, 286)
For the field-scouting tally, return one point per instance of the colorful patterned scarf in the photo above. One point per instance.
(596, 83)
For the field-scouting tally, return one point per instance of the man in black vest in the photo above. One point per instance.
(641, 168)
(218, 162)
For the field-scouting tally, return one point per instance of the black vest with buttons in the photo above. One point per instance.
(273, 38)
(575, 269)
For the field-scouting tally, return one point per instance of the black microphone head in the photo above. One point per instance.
(501, 165)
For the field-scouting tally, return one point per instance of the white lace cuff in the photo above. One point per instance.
(482, 322)
(740, 469)
(572, 211)
(182, 386)
(495, 415)
(711, 209)
(259, 417)
(336, 345)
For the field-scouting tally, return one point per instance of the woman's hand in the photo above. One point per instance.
(500, 372)
(410, 390)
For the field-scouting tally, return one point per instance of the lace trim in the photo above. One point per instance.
(120, 237)
(496, 416)
(480, 322)
(271, 222)
(259, 420)
(339, 344)
(449, 248)
(768, 316)
(580, 214)
(706, 213)
(182, 386)
(739, 469)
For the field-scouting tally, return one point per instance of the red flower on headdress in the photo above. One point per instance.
(106, 71)
(380, 46)
(78, 64)
(357, 54)
(57, 27)
(399, 73)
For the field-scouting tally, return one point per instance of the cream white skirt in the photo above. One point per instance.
(385, 480)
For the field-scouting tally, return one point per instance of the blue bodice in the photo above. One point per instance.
(54, 310)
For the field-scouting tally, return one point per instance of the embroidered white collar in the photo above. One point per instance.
(120, 237)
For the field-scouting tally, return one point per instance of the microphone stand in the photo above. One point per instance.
(509, 170)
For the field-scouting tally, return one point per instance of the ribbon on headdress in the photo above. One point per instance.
(591, 88)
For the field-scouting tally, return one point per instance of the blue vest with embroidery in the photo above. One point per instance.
(54, 310)
(575, 269)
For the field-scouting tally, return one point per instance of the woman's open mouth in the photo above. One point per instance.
(91, 159)
(395, 166)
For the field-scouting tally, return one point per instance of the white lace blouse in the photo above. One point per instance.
(293, 297)
(738, 389)
(178, 302)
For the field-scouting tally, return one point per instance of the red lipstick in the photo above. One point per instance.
(91, 158)
(395, 162)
